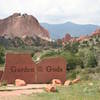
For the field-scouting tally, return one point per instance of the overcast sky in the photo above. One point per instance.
(55, 11)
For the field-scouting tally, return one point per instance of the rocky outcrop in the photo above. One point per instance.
(83, 38)
(67, 82)
(76, 80)
(24, 25)
(56, 82)
(67, 38)
(19, 82)
(97, 32)
(51, 88)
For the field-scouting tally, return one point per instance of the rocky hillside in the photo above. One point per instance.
(22, 25)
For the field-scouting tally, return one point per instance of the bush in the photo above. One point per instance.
(72, 60)
(32, 54)
(72, 47)
(2, 55)
(49, 54)
(91, 61)
(4, 83)
(88, 57)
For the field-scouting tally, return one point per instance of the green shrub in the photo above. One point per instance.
(2, 55)
(72, 60)
(4, 83)
(88, 57)
(91, 60)
(49, 54)
(72, 47)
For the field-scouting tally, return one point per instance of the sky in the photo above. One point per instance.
(54, 11)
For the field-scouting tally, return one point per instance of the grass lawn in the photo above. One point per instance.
(80, 91)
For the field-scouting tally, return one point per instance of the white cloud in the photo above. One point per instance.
(55, 11)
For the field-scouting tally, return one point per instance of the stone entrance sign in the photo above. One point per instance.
(51, 68)
(21, 66)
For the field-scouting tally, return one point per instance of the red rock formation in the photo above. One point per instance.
(76, 80)
(51, 88)
(82, 38)
(73, 40)
(56, 82)
(19, 82)
(18, 25)
(97, 32)
(67, 82)
(67, 38)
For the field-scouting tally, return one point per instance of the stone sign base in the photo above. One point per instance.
(21, 66)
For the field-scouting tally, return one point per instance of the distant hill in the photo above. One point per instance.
(59, 30)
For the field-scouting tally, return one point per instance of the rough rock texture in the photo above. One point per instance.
(97, 32)
(82, 38)
(56, 82)
(76, 80)
(67, 83)
(19, 82)
(67, 38)
(18, 25)
(51, 88)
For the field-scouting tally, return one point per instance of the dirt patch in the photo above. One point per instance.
(20, 92)
(12, 90)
